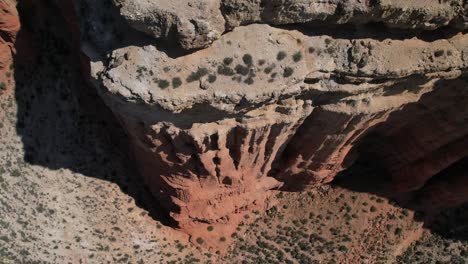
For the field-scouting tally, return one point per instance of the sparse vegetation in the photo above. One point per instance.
(281, 55)
(225, 70)
(196, 76)
(249, 80)
(212, 78)
(297, 56)
(176, 82)
(247, 59)
(439, 53)
(288, 72)
(242, 70)
(228, 60)
(163, 84)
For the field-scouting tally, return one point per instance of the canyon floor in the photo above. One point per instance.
(73, 197)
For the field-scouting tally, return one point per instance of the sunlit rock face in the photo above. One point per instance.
(9, 27)
(262, 107)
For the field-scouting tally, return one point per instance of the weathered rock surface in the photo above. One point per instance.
(9, 27)
(262, 108)
(196, 24)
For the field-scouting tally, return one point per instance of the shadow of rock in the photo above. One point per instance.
(61, 119)
(419, 159)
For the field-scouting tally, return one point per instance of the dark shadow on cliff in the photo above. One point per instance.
(61, 119)
(422, 130)
(373, 30)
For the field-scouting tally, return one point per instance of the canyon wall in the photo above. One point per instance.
(9, 27)
(289, 103)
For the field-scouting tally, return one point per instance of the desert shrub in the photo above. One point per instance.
(210, 228)
(249, 81)
(261, 62)
(398, 231)
(228, 60)
(2, 86)
(222, 239)
(237, 79)
(373, 209)
(163, 84)
(328, 41)
(439, 53)
(225, 70)
(176, 82)
(212, 78)
(269, 69)
(297, 56)
(247, 59)
(200, 240)
(195, 76)
(242, 70)
(15, 173)
(288, 72)
(281, 55)
(311, 49)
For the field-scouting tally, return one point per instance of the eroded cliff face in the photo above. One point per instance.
(263, 107)
(9, 27)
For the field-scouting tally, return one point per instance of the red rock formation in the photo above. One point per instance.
(9, 27)
(211, 153)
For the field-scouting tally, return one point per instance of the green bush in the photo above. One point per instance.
(297, 56)
(288, 72)
(398, 231)
(242, 70)
(200, 240)
(225, 70)
(212, 78)
(439, 53)
(195, 76)
(249, 81)
(281, 55)
(176, 82)
(15, 173)
(269, 69)
(228, 60)
(163, 84)
(210, 228)
(247, 59)
(2, 86)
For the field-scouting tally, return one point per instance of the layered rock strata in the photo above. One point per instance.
(263, 108)
(196, 24)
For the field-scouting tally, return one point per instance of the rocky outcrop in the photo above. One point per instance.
(9, 27)
(261, 107)
(196, 24)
